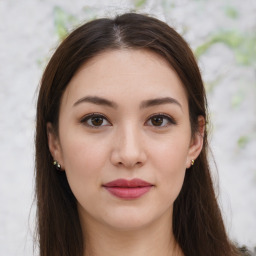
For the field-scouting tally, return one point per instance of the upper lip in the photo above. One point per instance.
(134, 183)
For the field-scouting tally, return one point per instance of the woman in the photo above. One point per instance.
(121, 146)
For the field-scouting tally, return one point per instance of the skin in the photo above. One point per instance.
(127, 143)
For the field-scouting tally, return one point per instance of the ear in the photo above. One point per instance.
(197, 142)
(54, 145)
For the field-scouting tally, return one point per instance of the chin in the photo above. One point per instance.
(128, 224)
(130, 219)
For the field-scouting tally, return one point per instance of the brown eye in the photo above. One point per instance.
(160, 121)
(95, 121)
(157, 121)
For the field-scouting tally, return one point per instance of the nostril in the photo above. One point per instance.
(130, 165)
(139, 163)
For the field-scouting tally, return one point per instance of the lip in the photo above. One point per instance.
(128, 189)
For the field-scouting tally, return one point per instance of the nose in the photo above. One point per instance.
(128, 148)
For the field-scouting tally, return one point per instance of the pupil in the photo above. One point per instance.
(157, 121)
(97, 121)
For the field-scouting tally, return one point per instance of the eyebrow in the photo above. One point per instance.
(159, 101)
(144, 104)
(96, 100)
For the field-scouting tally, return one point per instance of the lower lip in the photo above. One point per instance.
(128, 193)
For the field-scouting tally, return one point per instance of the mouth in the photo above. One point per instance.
(128, 189)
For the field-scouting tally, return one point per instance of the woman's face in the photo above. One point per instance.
(124, 139)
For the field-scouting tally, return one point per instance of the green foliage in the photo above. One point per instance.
(243, 141)
(167, 5)
(139, 3)
(90, 13)
(237, 99)
(231, 12)
(63, 21)
(243, 46)
(210, 85)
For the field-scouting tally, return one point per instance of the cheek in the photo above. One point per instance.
(81, 152)
(169, 159)
(171, 152)
(84, 160)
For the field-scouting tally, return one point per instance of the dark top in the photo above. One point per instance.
(245, 252)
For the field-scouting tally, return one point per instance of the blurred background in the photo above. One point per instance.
(222, 35)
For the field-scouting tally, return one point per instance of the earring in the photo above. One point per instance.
(57, 165)
(192, 162)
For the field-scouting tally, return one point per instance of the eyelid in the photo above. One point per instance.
(85, 118)
(170, 119)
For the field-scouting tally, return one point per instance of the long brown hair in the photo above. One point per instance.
(197, 223)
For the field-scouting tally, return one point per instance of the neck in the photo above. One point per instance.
(152, 240)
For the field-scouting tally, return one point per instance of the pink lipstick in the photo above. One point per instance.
(128, 189)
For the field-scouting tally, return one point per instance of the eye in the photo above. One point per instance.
(160, 120)
(95, 120)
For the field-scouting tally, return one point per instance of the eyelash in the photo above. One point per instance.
(170, 120)
(86, 118)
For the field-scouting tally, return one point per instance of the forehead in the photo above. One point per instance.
(120, 74)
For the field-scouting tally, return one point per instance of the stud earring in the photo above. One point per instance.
(57, 165)
(192, 162)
